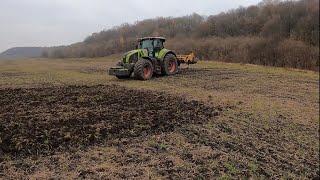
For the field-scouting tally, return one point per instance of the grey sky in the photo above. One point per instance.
(62, 22)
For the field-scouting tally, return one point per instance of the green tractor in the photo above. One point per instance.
(148, 59)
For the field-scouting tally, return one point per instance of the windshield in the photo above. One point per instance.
(146, 44)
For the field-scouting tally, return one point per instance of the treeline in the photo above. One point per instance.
(274, 33)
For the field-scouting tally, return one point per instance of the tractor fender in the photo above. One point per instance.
(164, 52)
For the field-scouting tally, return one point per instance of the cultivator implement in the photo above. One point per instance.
(187, 59)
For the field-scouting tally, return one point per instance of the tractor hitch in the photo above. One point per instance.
(123, 70)
(119, 71)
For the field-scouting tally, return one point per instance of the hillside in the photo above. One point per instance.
(273, 33)
(22, 52)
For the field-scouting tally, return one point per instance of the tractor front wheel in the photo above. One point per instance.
(170, 65)
(143, 69)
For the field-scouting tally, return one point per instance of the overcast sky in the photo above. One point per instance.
(62, 22)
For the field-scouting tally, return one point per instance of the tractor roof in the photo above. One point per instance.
(151, 38)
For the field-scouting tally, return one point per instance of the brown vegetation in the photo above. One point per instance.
(267, 34)
(252, 50)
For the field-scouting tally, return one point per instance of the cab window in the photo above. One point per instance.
(146, 44)
(158, 43)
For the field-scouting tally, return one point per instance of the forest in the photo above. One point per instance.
(271, 33)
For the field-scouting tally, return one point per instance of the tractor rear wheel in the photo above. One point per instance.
(169, 65)
(143, 69)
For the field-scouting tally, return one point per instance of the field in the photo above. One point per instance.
(69, 119)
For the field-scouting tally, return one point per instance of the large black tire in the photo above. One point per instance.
(169, 65)
(143, 69)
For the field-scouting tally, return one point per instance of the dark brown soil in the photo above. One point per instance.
(80, 129)
(44, 120)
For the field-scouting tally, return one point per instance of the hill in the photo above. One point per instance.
(22, 52)
(273, 33)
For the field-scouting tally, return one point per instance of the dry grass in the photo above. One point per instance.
(275, 109)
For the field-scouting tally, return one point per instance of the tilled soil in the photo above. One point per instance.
(107, 132)
(44, 120)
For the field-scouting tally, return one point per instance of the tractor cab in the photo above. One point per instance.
(152, 44)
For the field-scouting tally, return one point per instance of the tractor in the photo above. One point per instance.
(148, 59)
